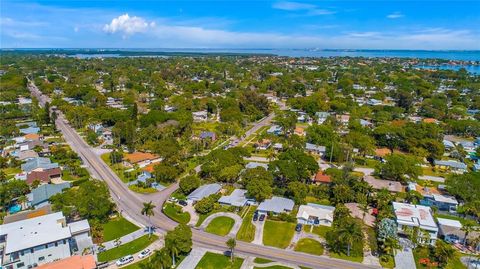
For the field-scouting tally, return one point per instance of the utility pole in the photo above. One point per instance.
(331, 154)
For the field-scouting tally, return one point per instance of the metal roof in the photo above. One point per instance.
(40, 162)
(236, 198)
(276, 205)
(44, 192)
(204, 191)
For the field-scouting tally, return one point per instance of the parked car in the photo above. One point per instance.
(124, 260)
(255, 217)
(173, 199)
(101, 249)
(144, 253)
(262, 217)
(182, 202)
(298, 228)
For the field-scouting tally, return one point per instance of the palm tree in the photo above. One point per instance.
(231, 243)
(147, 210)
(174, 252)
(443, 251)
(350, 232)
(467, 227)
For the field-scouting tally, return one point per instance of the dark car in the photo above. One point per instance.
(262, 217)
(298, 228)
(316, 221)
(255, 217)
(182, 202)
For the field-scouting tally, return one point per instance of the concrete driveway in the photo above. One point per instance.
(404, 256)
(258, 232)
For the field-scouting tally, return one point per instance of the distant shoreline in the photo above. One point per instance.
(446, 55)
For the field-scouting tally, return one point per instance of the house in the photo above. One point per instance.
(107, 134)
(278, 146)
(299, 131)
(374, 102)
(33, 137)
(263, 144)
(39, 163)
(39, 240)
(476, 167)
(39, 196)
(448, 144)
(200, 116)
(30, 130)
(316, 149)
(365, 123)
(236, 198)
(29, 145)
(429, 120)
(202, 192)
(451, 165)
(321, 178)
(440, 201)
(73, 262)
(275, 130)
(408, 215)
(252, 165)
(381, 153)
(356, 211)
(321, 117)
(43, 175)
(169, 109)
(315, 214)
(378, 184)
(450, 230)
(343, 119)
(141, 159)
(208, 135)
(26, 155)
(276, 205)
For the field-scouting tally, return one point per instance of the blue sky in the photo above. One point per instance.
(240, 24)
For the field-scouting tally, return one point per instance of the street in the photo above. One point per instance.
(131, 204)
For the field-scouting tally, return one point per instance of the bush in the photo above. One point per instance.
(207, 204)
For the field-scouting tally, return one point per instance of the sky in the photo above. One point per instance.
(355, 24)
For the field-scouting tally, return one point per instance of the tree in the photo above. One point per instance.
(116, 157)
(46, 113)
(443, 252)
(467, 227)
(189, 183)
(178, 241)
(259, 189)
(298, 191)
(398, 165)
(147, 210)
(349, 232)
(231, 243)
(165, 173)
(207, 204)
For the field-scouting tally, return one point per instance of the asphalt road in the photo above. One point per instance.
(130, 203)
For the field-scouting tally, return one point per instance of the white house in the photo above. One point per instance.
(200, 116)
(416, 216)
(32, 242)
(315, 214)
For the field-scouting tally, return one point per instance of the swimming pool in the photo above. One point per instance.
(14, 209)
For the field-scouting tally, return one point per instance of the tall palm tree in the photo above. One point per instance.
(147, 210)
(231, 243)
(467, 227)
(350, 232)
(443, 251)
(174, 252)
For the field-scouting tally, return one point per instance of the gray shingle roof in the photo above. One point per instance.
(32, 164)
(44, 192)
(276, 205)
(236, 198)
(204, 191)
(451, 163)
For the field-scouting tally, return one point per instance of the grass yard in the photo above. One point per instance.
(347, 258)
(117, 168)
(318, 230)
(220, 225)
(138, 189)
(278, 233)
(175, 212)
(309, 246)
(247, 229)
(11, 171)
(127, 249)
(387, 261)
(420, 253)
(261, 260)
(116, 228)
(218, 261)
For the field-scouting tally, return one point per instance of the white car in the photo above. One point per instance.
(125, 260)
(144, 253)
(173, 199)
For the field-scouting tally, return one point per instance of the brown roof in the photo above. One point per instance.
(43, 176)
(320, 177)
(382, 152)
(137, 157)
(73, 262)
(149, 168)
(392, 186)
(429, 120)
(32, 136)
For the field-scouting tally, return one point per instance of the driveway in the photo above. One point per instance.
(258, 232)
(404, 256)
(192, 259)
(193, 214)
(233, 232)
(364, 170)
(433, 178)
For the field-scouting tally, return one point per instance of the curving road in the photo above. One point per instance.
(130, 204)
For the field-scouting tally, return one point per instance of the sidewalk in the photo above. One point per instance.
(125, 239)
(192, 259)
(154, 246)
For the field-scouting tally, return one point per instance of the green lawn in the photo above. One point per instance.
(118, 168)
(247, 229)
(387, 261)
(310, 246)
(116, 228)
(319, 230)
(127, 249)
(12, 170)
(278, 233)
(218, 261)
(220, 225)
(420, 253)
(138, 189)
(262, 260)
(345, 257)
(175, 212)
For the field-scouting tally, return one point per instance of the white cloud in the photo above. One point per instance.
(395, 15)
(312, 10)
(128, 25)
